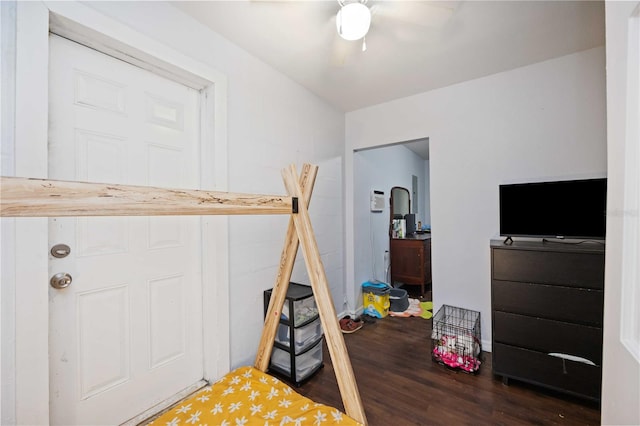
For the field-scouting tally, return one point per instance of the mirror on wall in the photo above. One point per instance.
(400, 203)
(400, 207)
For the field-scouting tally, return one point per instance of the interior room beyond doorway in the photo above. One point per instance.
(379, 169)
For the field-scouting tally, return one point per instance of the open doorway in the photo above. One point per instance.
(401, 164)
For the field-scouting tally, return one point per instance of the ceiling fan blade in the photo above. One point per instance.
(423, 13)
(342, 50)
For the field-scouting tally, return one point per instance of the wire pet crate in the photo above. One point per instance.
(456, 338)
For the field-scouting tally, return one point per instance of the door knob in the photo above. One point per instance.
(61, 280)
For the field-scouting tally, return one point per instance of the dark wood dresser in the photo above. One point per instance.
(546, 308)
(411, 260)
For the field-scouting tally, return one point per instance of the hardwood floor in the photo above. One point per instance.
(400, 385)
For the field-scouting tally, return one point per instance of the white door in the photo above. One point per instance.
(126, 334)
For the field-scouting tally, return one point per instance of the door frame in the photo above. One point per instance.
(28, 275)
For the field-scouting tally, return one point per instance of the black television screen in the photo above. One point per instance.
(566, 209)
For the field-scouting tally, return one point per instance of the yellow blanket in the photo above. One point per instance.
(247, 396)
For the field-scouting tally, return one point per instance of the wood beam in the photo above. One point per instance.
(335, 340)
(22, 197)
(287, 259)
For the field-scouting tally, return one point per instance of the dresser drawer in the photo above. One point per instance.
(542, 369)
(548, 336)
(582, 306)
(410, 261)
(572, 269)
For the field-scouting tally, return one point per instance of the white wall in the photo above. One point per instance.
(426, 197)
(620, 369)
(542, 121)
(272, 122)
(381, 169)
(7, 296)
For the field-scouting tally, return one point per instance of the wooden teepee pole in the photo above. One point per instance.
(22, 197)
(335, 341)
(287, 259)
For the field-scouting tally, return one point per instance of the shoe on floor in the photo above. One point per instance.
(347, 325)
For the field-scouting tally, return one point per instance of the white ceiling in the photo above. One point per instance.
(412, 46)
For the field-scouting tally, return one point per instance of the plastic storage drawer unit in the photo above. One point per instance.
(297, 350)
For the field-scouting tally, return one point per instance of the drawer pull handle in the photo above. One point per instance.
(572, 358)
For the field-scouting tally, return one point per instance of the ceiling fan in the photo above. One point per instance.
(354, 17)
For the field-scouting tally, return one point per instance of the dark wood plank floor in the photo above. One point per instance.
(400, 385)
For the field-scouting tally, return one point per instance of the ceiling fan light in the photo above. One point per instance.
(353, 21)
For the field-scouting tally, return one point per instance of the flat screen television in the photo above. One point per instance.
(560, 209)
